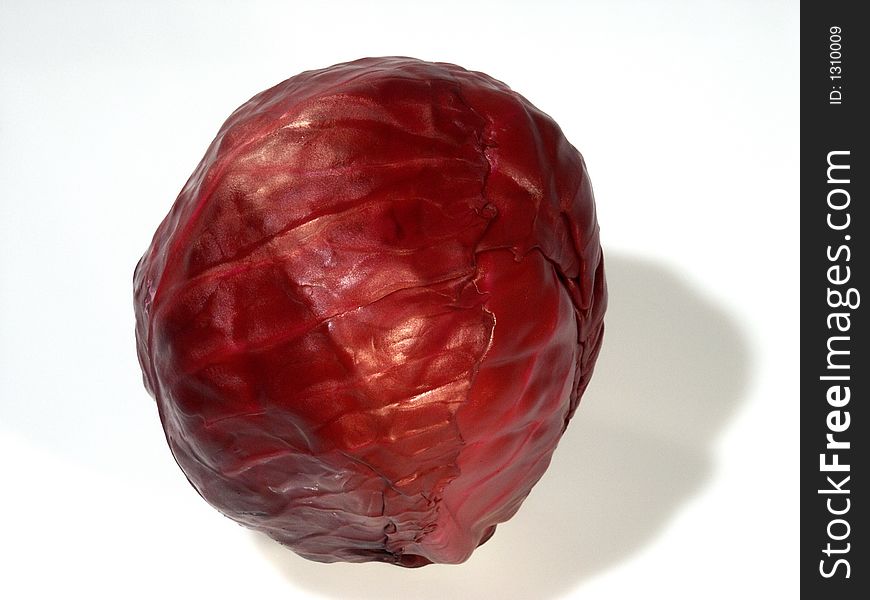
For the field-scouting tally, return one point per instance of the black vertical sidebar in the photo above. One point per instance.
(834, 369)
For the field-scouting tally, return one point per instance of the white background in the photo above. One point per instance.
(678, 476)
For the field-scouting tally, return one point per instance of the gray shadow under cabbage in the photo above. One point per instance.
(673, 369)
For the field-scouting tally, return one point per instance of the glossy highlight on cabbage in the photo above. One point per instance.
(373, 309)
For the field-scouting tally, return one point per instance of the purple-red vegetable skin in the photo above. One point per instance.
(372, 310)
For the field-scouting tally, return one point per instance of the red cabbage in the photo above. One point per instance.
(372, 310)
